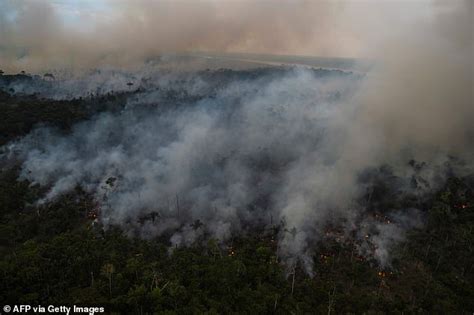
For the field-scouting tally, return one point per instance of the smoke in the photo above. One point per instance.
(291, 145)
(35, 34)
(41, 35)
(421, 95)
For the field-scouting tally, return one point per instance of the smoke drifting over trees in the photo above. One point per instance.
(292, 147)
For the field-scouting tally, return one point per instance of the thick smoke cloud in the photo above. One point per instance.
(237, 159)
(35, 36)
(293, 147)
(212, 152)
(421, 94)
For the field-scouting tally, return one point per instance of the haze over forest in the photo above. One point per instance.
(315, 135)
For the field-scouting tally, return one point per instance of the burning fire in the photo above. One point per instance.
(93, 214)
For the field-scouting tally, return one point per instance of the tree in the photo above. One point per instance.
(108, 270)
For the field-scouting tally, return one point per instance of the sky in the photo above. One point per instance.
(74, 12)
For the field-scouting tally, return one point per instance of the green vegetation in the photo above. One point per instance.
(53, 254)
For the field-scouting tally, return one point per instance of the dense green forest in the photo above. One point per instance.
(56, 253)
